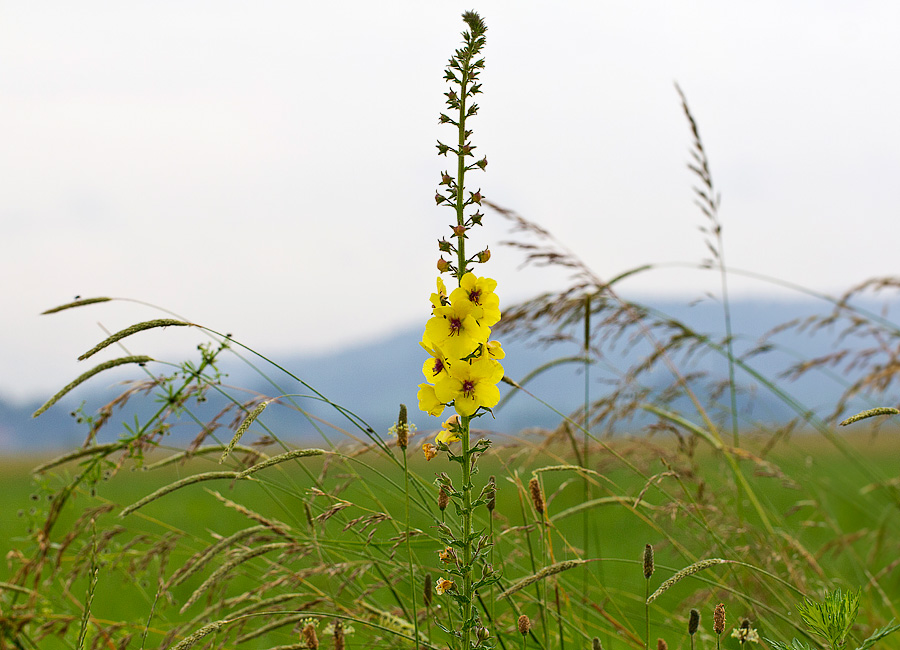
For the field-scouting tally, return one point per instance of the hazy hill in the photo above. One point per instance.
(372, 379)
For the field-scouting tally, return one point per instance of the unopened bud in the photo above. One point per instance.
(438, 198)
(459, 231)
(476, 198)
(524, 624)
(492, 494)
(442, 149)
(483, 162)
(484, 255)
(443, 265)
(482, 634)
(476, 219)
(446, 179)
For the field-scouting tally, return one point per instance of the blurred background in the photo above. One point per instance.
(268, 170)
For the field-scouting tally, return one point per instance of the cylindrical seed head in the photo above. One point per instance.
(309, 636)
(719, 618)
(595, 644)
(443, 499)
(661, 644)
(492, 498)
(427, 591)
(537, 497)
(648, 561)
(402, 428)
(524, 624)
(693, 622)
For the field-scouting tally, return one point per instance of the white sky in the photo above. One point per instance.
(268, 168)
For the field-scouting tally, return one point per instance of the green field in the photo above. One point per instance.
(830, 526)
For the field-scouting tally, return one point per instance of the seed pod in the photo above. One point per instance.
(661, 644)
(524, 624)
(443, 499)
(537, 497)
(693, 622)
(648, 561)
(719, 618)
(595, 644)
(492, 498)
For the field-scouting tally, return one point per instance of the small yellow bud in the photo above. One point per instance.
(443, 265)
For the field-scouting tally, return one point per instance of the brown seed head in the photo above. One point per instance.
(308, 635)
(338, 635)
(693, 622)
(492, 496)
(596, 645)
(524, 624)
(719, 619)
(443, 499)
(648, 561)
(537, 497)
(402, 428)
(427, 591)
(661, 644)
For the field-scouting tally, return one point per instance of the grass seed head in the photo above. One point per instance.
(719, 618)
(537, 497)
(648, 561)
(524, 624)
(596, 645)
(402, 428)
(693, 622)
(308, 636)
(427, 594)
(661, 644)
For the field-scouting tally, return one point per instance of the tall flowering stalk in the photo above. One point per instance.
(463, 367)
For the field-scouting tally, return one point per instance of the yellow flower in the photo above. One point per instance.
(448, 555)
(443, 585)
(471, 385)
(450, 431)
(429, 450)
(434, 368)
(428, 401)
(495, 350)
(439, 299)
(479, 292)
(455, 329)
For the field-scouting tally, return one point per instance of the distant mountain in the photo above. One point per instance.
(372, 379)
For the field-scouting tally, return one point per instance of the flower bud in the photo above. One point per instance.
(484, 255)
(459, 231)
(492, 494)
(444, 246)
(476, 198)
(446, 179)
(438, 197)
(482, 163)
(476, 218)
(442, 149)
(443, 265)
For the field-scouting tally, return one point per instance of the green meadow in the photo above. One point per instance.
(659, 514)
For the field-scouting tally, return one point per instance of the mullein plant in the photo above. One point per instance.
(463, 367)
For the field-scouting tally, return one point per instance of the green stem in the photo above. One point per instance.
(412, 575)
(468, 596)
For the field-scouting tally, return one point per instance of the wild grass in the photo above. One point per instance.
(657, 513)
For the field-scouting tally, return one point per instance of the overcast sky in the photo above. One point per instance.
(269, 168)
